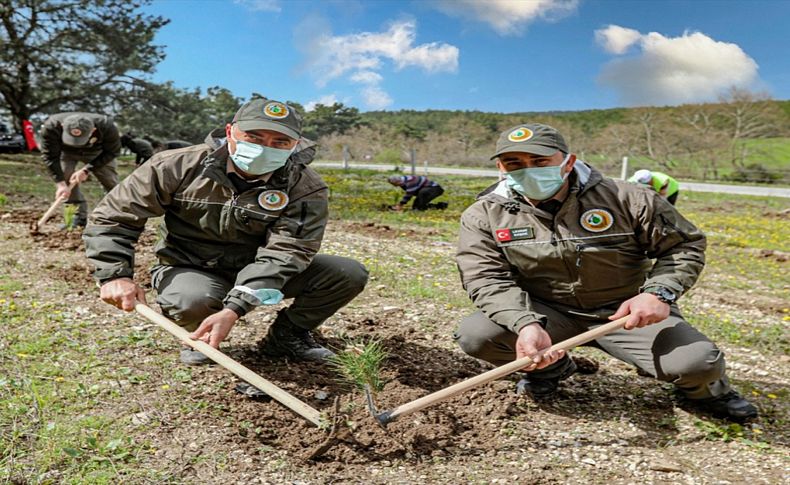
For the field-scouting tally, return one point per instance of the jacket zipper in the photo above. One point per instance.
(234, 199)
(302, 217)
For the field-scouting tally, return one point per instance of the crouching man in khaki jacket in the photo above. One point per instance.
(244, 216)
(555, 249)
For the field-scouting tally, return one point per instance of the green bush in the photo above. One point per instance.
(754, 172)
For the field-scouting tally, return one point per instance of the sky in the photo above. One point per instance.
(488, 55)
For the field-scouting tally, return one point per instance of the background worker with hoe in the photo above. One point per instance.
(70, 138)
(556, 248)
(244, 217)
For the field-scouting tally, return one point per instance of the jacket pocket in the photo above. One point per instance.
(608, 267)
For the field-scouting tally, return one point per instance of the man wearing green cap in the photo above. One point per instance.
(70, 138)
(555, 248)
(244, 216)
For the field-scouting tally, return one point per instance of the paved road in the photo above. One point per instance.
(477, 172)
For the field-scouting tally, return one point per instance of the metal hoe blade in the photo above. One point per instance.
(382, 418)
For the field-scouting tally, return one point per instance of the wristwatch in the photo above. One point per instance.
(662, 293)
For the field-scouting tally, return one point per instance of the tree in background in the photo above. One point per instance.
(331, 119)
(78, 54)
(748, 115)
(165, 112)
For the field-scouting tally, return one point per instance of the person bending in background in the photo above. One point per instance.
(70, 138)
(658, 181)
(141, 148)
(423, 189)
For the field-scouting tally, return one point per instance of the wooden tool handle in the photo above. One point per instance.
(502, 371)
(289, 401)
(54, 207)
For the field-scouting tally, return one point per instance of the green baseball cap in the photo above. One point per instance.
(77, 130)
(531, 138)
(267, 114)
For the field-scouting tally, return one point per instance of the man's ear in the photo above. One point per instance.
(228, 127)
(500, 166)
(571, 163)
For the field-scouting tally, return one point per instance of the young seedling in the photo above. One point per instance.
(69, 213)
(360, 364)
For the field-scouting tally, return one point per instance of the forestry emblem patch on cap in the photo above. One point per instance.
(520, 134)
(275, 110)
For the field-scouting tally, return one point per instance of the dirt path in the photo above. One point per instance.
(613, 426)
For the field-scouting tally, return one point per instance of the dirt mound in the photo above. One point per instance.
(376, 230)
(414, 371)
(466, 424)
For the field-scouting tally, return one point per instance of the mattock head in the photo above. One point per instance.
(382, 418)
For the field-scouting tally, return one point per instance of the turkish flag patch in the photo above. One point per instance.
(504, 235)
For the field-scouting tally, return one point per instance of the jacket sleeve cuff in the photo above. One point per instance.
(672, 286)
(238, 309)
(239, 302)
(516, 327)
(104, 275)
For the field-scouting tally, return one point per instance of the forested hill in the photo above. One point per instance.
(588, 121)
(743, 138)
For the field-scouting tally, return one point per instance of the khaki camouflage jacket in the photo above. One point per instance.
(595, 253)
(103, 146)
(266, 234)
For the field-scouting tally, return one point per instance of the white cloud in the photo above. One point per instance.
(675, 70)
(367, 50)
(376, 98)
(366, 77)
(361, 57)
(615, 39)
(508, 16)
(326, 100)
(261, 5)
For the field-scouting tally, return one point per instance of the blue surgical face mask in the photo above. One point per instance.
(258, 159)
(537, 183)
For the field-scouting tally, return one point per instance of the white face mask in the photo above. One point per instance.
(258, 159)
(538, 183)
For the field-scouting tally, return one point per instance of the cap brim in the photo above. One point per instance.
(249, 125)
(76, 141)
(541, 150)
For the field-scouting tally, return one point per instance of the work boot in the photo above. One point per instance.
(287, 340)
(542, 388)
(728, 406)
(193, 357)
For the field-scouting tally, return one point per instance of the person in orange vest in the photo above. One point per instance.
(660, 182)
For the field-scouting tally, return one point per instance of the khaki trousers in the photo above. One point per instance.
(188, 295)
(671, 351)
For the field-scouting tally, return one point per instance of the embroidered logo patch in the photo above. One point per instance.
(515, 234)
(275, 110)
(76, 132)
(273, 200)
(597, 220)
(520, 134)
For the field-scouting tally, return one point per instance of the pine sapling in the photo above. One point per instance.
(360, 364)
